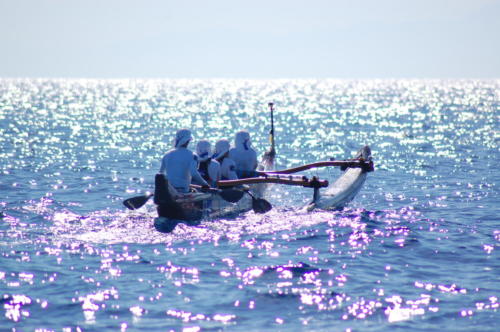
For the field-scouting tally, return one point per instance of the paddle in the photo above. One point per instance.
(259, 205)
(271, 107)
(268, 158)
(136, 202)
(229, 195)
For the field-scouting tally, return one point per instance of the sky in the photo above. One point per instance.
(257, 39)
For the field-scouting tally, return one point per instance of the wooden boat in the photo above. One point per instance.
(194, 207)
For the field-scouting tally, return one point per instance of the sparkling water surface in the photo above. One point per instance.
(417, 250)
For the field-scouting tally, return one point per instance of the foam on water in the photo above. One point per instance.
(416, 250)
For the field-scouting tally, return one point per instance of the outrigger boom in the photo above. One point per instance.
(365, 165)
(276, 178)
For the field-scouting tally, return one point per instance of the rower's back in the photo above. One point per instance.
(243, 154)
(177, 164)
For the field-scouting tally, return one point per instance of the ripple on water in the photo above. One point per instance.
(417, 249)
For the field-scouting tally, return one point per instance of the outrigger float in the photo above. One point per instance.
(237, 196)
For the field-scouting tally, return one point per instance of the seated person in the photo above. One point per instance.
(227, 165)
(244, 156)
(208, 168)
(180, 165)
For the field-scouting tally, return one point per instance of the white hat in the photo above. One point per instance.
(203, 150)
(182, 137)
(221, 148)
(242, 139)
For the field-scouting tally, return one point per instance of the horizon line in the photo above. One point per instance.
(249, 78)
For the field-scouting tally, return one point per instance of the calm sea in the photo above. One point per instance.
(417, 250)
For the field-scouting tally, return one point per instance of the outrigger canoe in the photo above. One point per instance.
(197, 206)
(247, 193)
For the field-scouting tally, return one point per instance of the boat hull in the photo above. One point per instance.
(341, 192)
(195, 207)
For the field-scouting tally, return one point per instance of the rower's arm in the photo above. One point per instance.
(197, 178)
(163, 167)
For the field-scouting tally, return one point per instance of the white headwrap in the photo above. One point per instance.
(203, 150)
(182, 137)
(242, 140)
(221, 147)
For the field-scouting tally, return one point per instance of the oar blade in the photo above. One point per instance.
(136, 202)
(260, 205)
(231, 195)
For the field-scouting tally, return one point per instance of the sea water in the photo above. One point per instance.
(417, 250)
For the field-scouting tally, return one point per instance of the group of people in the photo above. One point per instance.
(183, 167)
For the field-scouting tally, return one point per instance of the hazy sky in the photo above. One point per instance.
(250, 39)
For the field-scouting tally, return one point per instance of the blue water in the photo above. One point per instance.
(417, 250)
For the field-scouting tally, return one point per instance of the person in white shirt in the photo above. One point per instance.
(208, 168)
(243, 154)
(227, 165)
(180, 165)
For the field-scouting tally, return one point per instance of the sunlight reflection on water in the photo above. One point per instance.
(419, 244)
